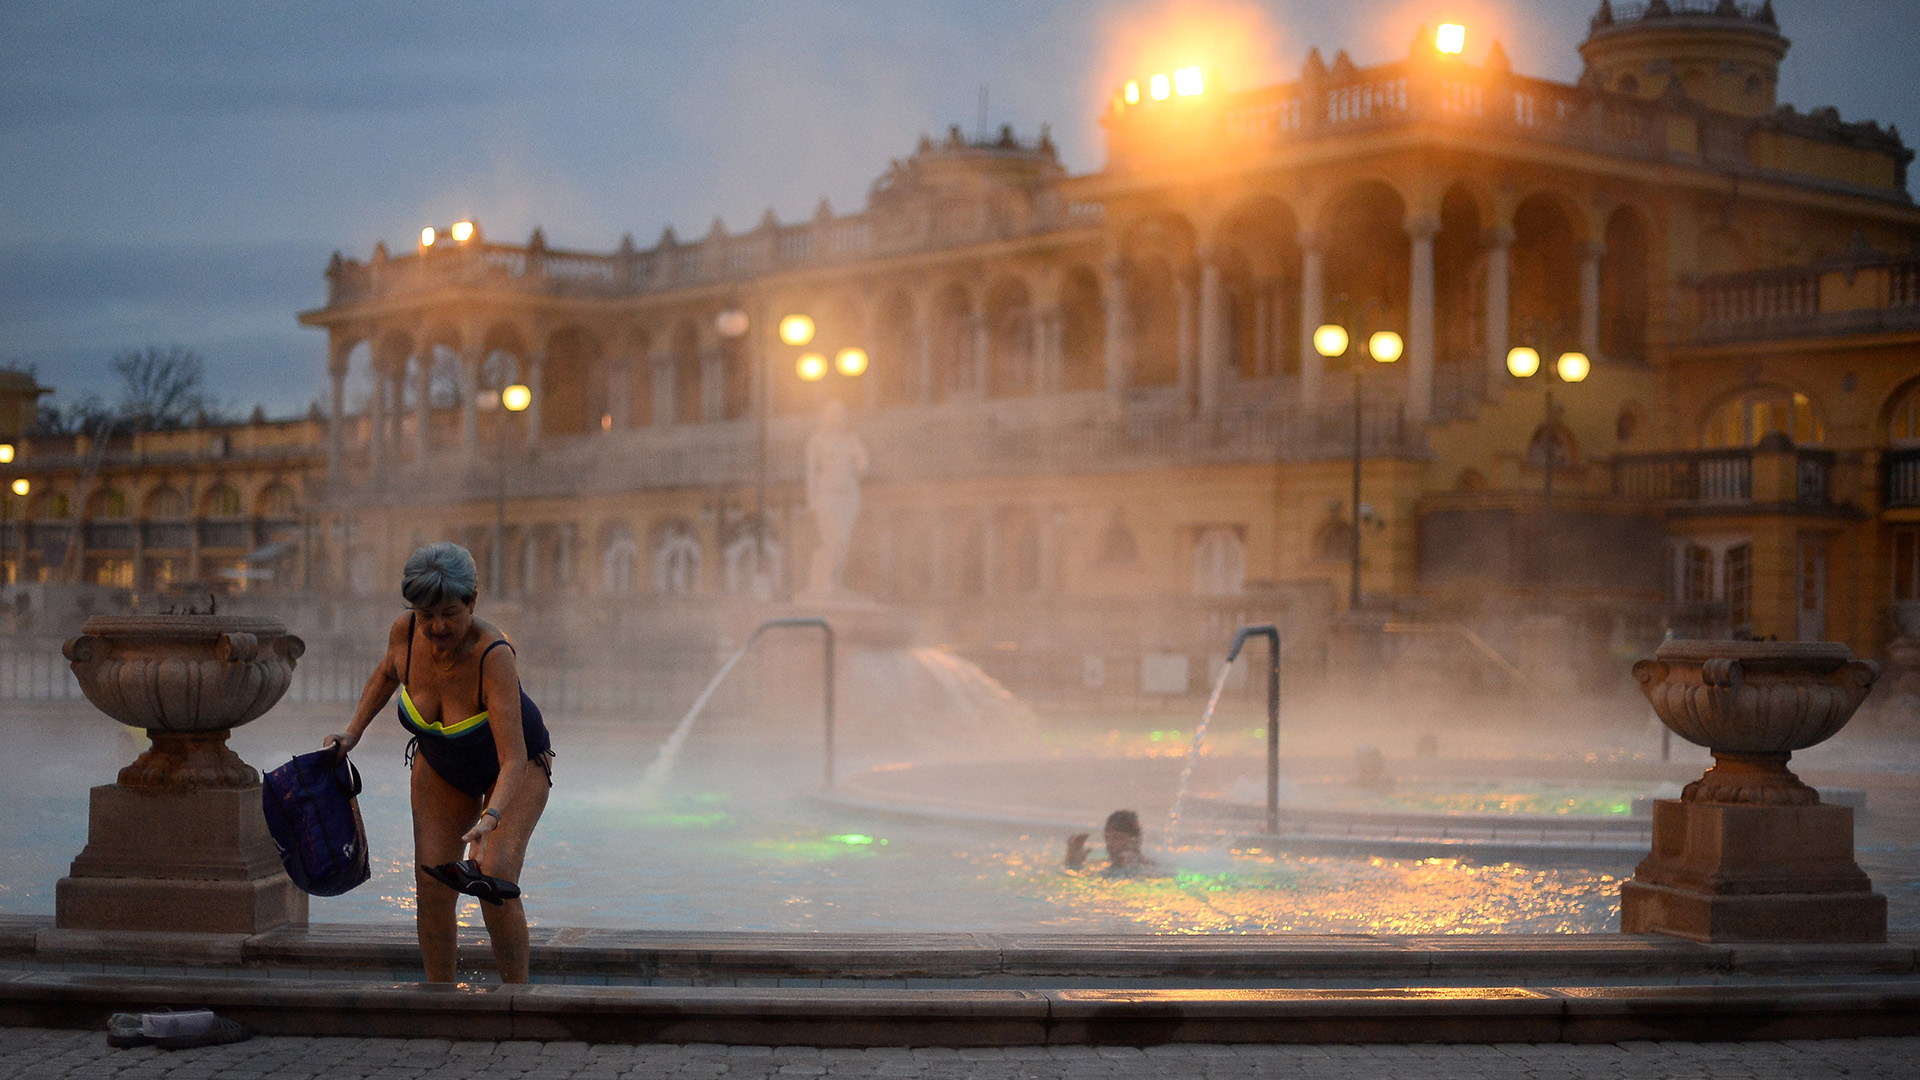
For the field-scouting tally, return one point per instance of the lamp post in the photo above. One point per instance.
(512, 398)
(1385, 347)
(1523, 362)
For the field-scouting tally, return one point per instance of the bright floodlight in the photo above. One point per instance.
(21, 487)
(6, 453)
(731, 323)
(516, 398)
(796, 329)
(1132, 92)
(1573, 366)
(1523, 362)
(1452, 38)
(1187, 82)
(1385, 346)
(812, 367)
(1159, 87)
(463, 231)
(1330, 340)
(850, 361)
(427, 236)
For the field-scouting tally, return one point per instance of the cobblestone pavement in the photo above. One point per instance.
(36, 1053)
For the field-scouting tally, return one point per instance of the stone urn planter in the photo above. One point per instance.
(179, 841)
(1748, 852)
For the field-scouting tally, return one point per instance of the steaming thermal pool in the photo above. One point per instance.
(737, 843)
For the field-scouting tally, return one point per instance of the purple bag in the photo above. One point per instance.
(315, 822)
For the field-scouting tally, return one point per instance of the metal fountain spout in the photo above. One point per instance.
(1272, 634)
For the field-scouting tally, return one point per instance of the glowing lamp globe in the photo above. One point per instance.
(811, 367)
(796, 329)
(1132, 92)
(516, 398)
(1386, 346)
(1573, 366)
(1330, 340)
(850, 361)
(1451, 39)
(427, 236)
(462, 231)
(21, 486)
(6, 453)
(1522, 362)
(1187, 82)
(1161, 88)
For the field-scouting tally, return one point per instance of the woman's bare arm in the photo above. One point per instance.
(378, 691)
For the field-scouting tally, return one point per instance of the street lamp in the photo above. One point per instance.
(1385, 347)
(514, 397)
(6, 453)
(1523, 362)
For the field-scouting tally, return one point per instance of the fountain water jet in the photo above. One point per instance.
(1193, 751)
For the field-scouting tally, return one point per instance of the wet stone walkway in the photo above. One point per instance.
(36, 1053)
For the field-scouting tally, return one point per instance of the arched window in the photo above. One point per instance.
(1117, 544)
(1219, 561)
(107, 503)
(1082, 332)
(676, 559)
(1903, 424)
(54, 506)
(746, 574)
(277, 501)
(166, 502)
(1747, 418)
(1563, 447)
(223, 502)
(619, 556)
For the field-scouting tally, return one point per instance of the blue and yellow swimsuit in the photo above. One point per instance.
(463, 753)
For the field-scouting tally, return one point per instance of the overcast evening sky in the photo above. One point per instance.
(179, 172)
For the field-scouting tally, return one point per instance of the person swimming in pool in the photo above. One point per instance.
(1124, 855)
(481, 757)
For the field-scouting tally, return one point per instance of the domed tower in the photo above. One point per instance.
(1726, 55)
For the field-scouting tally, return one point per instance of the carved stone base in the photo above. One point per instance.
(160, 859)
(1751, 779)
(1725, 872)
(183, 761)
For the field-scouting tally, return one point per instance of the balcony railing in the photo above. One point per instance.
(1716, 477)
(1863, 293)
(1902, 469)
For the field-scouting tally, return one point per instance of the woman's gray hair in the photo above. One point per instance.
(439, 572)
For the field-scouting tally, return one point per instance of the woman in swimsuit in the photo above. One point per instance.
(484, 761)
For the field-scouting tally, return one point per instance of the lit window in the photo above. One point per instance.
(1745, 420)
(1187, 82)
(1904, 426)
(1160, 88)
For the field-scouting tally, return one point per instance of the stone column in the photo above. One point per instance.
(470, 360)
(923, 349)
(1420, 319)
(336, 411)
(1312, 303)
(1499, 294)
(423, 407)
(1213, 333)
(982, 333)
(1187, 288)
(1265, 359)
(536, 374)
(620, 391)
(1590, 299)
(377, 424)
(1046, 349)
(1119, 344)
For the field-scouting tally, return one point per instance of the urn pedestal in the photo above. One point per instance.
(1748, 852)
(179, 842)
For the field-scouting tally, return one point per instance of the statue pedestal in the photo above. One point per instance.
(188, 860)
(1744, 872)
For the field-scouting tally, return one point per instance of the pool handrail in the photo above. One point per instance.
(1272, 634)
(826, 628)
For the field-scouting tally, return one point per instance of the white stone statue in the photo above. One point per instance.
(836, 459)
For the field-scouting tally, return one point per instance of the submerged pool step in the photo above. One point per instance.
(865, 1017)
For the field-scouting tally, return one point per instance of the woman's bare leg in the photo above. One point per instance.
(441, 813)
(504, 855)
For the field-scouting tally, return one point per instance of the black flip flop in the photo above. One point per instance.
(465, 877)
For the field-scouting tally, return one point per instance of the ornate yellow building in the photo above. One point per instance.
(1099, 425)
